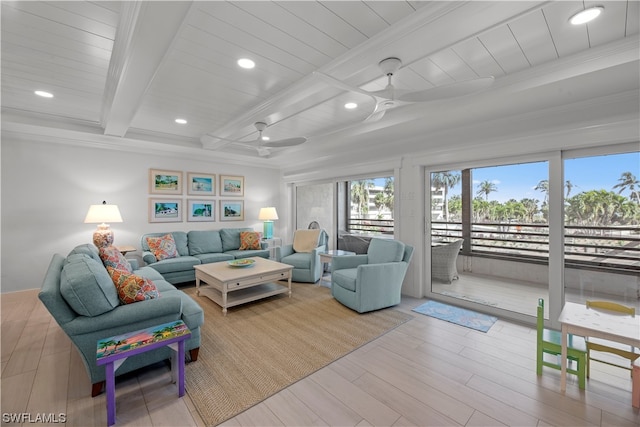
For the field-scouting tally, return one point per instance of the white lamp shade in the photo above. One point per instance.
(267, 214)
(103, 214)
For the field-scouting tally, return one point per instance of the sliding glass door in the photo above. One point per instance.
(489, 235)
(602, 228)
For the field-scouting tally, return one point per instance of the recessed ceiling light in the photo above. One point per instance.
(181, 121)
(43, 94)
(246, 63)
(586, 15)
(350, 105)
(265, 138)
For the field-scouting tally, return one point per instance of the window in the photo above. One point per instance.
(370, 206)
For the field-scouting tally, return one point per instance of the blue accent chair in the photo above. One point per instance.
(306, 265)
(373, 280)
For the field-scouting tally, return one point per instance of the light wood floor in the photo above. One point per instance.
(516, 295)
(424, 373)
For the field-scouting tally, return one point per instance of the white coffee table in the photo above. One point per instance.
(230, 286)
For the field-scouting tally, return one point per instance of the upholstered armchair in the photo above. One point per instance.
(373, 280)
(304, 254)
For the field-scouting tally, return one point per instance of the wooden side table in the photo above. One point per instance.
(113, 351)
(125, 248)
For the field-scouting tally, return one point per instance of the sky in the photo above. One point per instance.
(589, 173)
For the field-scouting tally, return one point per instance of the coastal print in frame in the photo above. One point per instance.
(165, 210)
(231, 185)
(201, 210)
(165, 182)
(231, 210)
(201, 184)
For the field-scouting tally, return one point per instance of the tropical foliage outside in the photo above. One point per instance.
(371, 205)
(601, 225)
(588, 208)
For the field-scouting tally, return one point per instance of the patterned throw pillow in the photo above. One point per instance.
(132, 288)
(249, 240)
(163, 247)
(111, 257)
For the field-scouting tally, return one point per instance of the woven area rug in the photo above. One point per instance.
(459, 316)
(262, 347)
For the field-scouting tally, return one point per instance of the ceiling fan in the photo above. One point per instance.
(391, 97)
(262, 143)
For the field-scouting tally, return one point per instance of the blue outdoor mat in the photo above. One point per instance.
(459, 316)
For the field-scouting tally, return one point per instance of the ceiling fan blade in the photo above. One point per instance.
(289, 142)
(375, 116)
(448, 91)
(381, 109)
(342, 85)
(262, 151)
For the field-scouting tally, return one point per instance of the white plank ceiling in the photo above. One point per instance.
(129, 69)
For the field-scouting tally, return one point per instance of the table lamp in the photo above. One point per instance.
(268, 215)
(101, 215)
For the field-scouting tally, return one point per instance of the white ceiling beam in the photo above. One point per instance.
(143, 39)
(406, 39)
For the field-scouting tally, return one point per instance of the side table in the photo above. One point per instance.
(125, 248)
(113, 351)
(325, 258)
(273, 242)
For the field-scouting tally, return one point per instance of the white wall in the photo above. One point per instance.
(47, 188)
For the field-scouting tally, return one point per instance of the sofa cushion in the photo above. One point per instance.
(172, 265)
(231, 238)
(305, 240)
(214, 257)
(131, 287)
(111, 257)
(264, 253)
(163, 247)
(87, 288)
(249, 240)
(204, 242)
(384, 250)
(88, 249)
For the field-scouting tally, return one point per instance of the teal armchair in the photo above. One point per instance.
(304, 255)
(373, 280)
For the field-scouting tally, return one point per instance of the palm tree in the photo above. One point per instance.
(531, 208)
(388, 193)
(360, 195)
(544, 187)
(628, 181)
(486, 187)
(569, 186)
(444, 181)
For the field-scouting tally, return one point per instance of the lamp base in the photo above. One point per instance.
(268, 230)
(103, 236)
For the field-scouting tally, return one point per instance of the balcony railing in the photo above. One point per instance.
(368, 225)
(614, 247)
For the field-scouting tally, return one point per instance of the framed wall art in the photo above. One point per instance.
(165, 210)
(231, 210)
(201, 184)
(231, 185)
(165, 182)
(201, 210)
